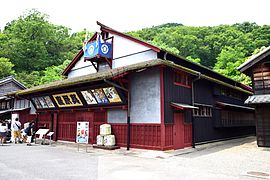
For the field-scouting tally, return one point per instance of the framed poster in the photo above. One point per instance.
(112, 95)
(100, 96)
(37, 103)
(82, 133)
(49, 101)
(42, 102)
(89, 98)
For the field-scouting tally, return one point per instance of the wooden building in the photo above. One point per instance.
(258, 68)
(152, 98)
(9, 106)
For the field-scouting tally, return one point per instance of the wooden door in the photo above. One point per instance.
(178, 130)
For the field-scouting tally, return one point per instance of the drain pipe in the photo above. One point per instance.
(192, 99)
(128, 109)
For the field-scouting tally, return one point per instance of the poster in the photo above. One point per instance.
(100, 96)
(37, 103)
(49, 101)
(88, 97)
(42, 102)
(82, 132)
(112, 95)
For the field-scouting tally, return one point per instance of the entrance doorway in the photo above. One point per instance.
(182, 132)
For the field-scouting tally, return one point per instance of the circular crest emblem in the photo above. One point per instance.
(91, 50)
(104, 48)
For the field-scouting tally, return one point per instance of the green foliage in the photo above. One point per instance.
(6, 68)
(33, 43)
(54, 73)
(221, 48)
(195, 60)
(227, 62)
(36, 50)
(29, 79)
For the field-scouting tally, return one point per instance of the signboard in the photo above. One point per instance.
(67, 99)
(82, 132)
(95, 48)
(100, 96)
(89, 98)
(112, 95)
(43, 102)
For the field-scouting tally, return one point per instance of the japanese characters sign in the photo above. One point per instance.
(67, 99)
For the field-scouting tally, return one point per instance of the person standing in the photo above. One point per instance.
(29, 132)
(17, 130)
(3, 132)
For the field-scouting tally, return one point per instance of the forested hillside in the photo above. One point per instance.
(36, 51)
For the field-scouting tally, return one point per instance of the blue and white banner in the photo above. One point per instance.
(97, 48)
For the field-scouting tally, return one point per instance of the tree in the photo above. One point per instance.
(227, 62)
(6, 68)
(29, 79)
(53, 73)
(34, 43)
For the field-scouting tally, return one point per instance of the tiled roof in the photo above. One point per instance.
(258, 99)
(118, 71)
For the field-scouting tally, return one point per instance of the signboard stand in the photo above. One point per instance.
(82, 134)
(78, 149)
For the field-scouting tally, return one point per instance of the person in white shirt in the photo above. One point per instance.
(17, 130)
(3, 132)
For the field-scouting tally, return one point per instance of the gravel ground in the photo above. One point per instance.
(234, 159)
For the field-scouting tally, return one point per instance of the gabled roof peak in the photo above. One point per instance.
(104, 28)
(254, 59)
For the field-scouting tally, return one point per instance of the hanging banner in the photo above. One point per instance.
(95, 48)
(82, 132)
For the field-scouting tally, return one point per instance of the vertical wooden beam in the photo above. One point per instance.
(55, 123)
(163, 133)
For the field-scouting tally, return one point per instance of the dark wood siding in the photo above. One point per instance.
(261, 78)
(263, 125)
(174, 93)
(213, 128)
(203, 92)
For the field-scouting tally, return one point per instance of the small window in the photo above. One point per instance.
(203, 111)
(3, 106)
(182, 79)
(8, 105)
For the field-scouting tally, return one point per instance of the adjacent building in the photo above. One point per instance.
(151, 98)
(258, 68)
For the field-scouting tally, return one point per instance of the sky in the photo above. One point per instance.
(128, 15)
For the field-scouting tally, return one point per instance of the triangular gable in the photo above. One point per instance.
(10, 79)
(77, 57)
(104, 28)
(254, 60)
(110, 30)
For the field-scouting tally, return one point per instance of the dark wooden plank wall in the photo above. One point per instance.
(263, 125)
(211, 128)
(174, 93)
(261, 78)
